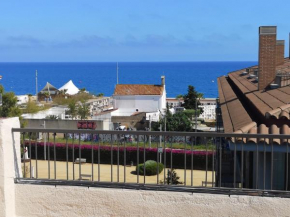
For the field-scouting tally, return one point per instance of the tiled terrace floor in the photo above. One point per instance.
(105, 173)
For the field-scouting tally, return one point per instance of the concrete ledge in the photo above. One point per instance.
(39, 200)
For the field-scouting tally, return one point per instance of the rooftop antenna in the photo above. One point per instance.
(36, 86)
(117, 74)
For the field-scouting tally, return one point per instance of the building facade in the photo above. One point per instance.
(132, 98)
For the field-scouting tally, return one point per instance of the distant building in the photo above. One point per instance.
(131, 98)
(22, 99)
(99, 104)
(209, 107)
(173, 102)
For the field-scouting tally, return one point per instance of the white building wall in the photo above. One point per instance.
(127, 105)
(21, 99)
(42, 200)
(209, 106)
(57, 111)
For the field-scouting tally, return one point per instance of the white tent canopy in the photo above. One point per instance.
(70, 88)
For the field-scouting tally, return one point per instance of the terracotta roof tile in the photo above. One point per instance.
(233, 113)
(138, 89)
(271, 103)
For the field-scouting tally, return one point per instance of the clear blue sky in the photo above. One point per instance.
(137, 30)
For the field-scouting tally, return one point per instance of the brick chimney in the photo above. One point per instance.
(267, 56)
(280, 47)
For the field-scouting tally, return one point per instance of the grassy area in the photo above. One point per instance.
(32, 108)
(61, 100)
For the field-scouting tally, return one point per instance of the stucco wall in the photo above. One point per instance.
(33, 200)
(9, 167)
(144, 103)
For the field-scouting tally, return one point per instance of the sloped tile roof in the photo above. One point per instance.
(273, 103)
(138, 89)
(234, 114)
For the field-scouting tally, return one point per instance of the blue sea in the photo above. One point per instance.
(101, 77)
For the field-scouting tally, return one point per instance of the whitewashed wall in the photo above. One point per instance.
(144, 103)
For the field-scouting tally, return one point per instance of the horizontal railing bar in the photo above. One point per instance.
(212, 190)
(154, 133)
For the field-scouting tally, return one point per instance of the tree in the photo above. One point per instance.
(191, 98)
(9, 106)
(52, 117)
(100, 95)
(62, 92)
(72, 109)
(83, 110)
(177, 122)
(82, 90)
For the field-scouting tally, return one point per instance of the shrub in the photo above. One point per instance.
(172, 176)
(151, 167)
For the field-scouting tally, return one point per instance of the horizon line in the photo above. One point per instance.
(129, 61)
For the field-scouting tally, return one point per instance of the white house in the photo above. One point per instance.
(22, 99)
(131, 98)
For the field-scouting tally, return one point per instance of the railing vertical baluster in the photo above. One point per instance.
(48, 153)
(92, 144)
(257, 166)
(171, 161)
(212, 169)
(185, 161)
(138, 137)
(235, 162)
(164, 170)
(220, 163)
(36, 163)
(111, 157)
(158, 161)
(264, 172)
(191, 169)
(242, 162)
(99, 156)
(206, 163)
(272, 162)
(24, 158)
(66, 149)
(125, 161)
(118, 156)
(144, 159)
(73, 155)
(54, 155)
(30, 156)
(80, 157)
(287, 152)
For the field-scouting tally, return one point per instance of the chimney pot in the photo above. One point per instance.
(280, 47)
(163, 80)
